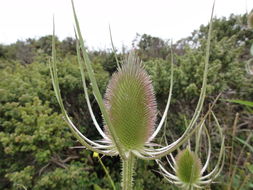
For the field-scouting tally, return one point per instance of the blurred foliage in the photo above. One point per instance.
(38, 151)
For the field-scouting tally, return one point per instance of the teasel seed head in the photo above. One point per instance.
(131, 105)
(188, 167)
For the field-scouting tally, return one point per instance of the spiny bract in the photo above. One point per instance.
(131, 104)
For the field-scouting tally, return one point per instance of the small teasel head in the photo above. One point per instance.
(188, 167)
(188, 171)
(131, 105)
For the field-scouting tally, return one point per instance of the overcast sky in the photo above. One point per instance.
(22, 19)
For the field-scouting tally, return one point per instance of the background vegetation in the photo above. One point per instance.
(37, 150)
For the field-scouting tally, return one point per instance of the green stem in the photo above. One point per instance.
(128, 169)
(106, 172)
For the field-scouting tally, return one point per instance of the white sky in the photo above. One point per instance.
(22, 19)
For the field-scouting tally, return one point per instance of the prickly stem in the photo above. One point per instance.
(127, 172)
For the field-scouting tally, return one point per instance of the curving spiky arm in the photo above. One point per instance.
(150, 154)
(83, 140)
(168, 101)
(95, 89)
(81, 66)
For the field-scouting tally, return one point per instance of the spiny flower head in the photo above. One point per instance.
(188, 171)
(131, 104)
(188, 167)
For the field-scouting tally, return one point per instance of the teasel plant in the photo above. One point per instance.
(129, 109)
(186, 169)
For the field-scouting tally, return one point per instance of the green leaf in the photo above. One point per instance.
(245, 143)
(96, 187)
(242, 102)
